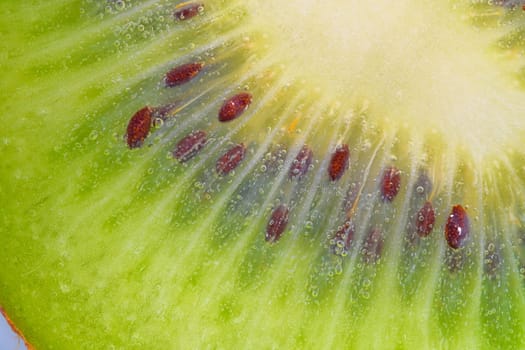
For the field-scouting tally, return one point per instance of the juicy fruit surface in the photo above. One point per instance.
(111, 247)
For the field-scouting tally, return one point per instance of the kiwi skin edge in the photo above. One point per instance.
(15, 329)
(108, 246)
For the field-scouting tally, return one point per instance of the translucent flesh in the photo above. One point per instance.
(104, 247)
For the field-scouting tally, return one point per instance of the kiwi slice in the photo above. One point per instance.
(263, 174)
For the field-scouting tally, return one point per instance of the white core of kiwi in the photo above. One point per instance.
(421, 64)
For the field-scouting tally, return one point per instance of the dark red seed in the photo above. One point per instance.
(182, 74)
(138, 127)
(301, 163)
(390, 184)
(189, 146)
(234, 106)
(344, 235)
(230, 160)
(425, 219)
(373, 246)
(188, 11)
(277, 223)
(339, 162)
(457, 227)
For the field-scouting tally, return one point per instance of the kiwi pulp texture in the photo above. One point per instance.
(111, 247)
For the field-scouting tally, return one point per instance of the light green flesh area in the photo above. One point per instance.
(109, 248)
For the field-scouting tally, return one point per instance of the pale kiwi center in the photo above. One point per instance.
(419, 63)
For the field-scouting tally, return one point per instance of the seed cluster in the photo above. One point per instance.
(140, 124)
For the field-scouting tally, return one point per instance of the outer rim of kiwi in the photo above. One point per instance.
(15, 329)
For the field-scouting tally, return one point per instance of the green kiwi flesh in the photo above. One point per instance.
(107, 247)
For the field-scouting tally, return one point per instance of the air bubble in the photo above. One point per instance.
(158, 122)
(120, 5)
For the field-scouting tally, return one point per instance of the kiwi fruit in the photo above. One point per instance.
(263, 174)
